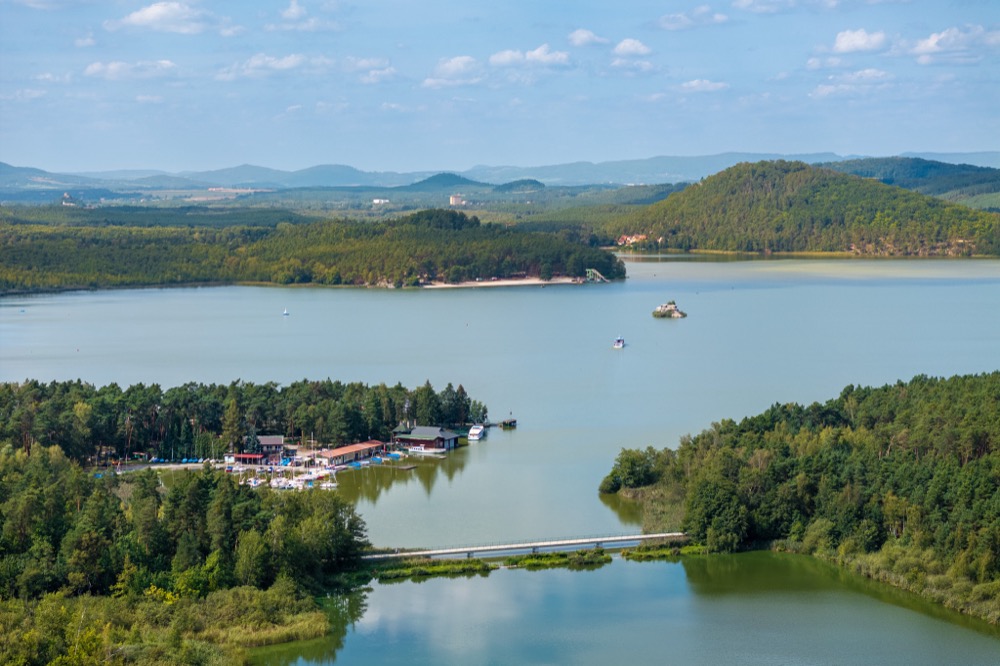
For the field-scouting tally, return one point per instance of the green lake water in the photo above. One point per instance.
(758, 332)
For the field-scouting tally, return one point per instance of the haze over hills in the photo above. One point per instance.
(663, 169)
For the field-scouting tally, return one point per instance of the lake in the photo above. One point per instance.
(758, 332)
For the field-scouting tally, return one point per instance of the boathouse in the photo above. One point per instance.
(350, 453)
(431, 437)
(272, 447)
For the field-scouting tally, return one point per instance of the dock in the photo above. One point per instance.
(555, 545)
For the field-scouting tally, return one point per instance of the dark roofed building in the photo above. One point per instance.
(428, 437)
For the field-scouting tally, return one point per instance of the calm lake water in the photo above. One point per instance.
(758, 332)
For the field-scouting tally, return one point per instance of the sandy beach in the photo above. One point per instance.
(510, 282)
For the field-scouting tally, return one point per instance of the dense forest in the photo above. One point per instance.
(792, 207)
(122, 570)
(179, 566)
(426, 246)
(901, 483)
(204, 421)
(961, 183)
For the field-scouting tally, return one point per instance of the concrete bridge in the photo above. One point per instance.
(614, 541)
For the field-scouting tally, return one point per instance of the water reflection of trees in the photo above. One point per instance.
(370, 482)
(343, 611)
(757, 572)
(629, 512)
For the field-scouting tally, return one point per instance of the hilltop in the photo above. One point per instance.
(793, 207)
(970, 185)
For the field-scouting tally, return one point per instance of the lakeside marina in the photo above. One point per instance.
(754, 342)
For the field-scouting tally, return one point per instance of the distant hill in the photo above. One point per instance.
(523, 185)
(984, 158)
(961, 183)
(792, 207)
(441, 181)
(648, 171)
(32, 179)
(652, 170)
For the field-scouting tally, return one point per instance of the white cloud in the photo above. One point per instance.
(956, 44)
(36, 4)
(456, 67)
(262, 64)
(541, 56)
(311, 24)
(631, 47)
(865, 76)
(703, 85)
(457, 71)
(763, 6)
(24, 95)
(84, 42)
(823, 63)
(49, 77)
(353, 64)
(371, 70)
(117, 70)
(851, 41)
(295, 20)
(294, 11)
(855, 83)
(699, 16)
(583, 37)
(375, 76)
(630, 64)
(176, 17)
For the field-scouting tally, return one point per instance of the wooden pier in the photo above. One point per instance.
(615, 541)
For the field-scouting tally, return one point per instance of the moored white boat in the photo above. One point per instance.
(476, 432)
(425, 450)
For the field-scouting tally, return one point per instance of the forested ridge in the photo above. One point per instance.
(123, 569)
(793, 207)
(901, 483)
(426, 246)
(196, 420)
(953, 182)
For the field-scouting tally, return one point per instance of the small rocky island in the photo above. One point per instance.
(668, 311)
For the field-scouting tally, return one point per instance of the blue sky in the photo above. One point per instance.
(388, 85)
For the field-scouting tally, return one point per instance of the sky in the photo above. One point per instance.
(388, 85)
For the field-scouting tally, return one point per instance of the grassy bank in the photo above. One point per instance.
(157, 627)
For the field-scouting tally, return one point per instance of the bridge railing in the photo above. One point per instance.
(565, 543)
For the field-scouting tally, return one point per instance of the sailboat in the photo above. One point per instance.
(285, 313)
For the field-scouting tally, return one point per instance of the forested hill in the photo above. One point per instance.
(430, 245)
(900, 482)
(961, 183)
(793, 207)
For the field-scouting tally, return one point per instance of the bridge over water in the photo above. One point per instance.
(612, 541)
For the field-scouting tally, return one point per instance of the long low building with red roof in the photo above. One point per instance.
(350, 453)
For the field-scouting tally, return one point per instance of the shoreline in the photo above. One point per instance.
(506, 282)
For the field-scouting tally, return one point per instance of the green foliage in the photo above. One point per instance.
(425, 246)
(592, 558)
(411, 569)
(92, 541)
(632, 469)
(195, 421)
(952, 182)
(792, 207)
(900, 482)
